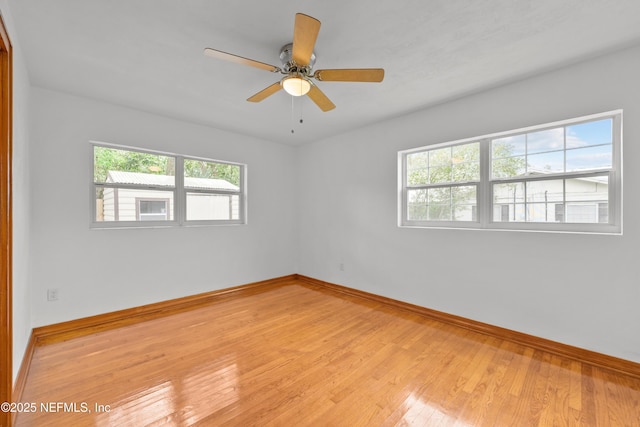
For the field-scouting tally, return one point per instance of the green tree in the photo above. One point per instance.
(451, 165)
(110, 159)
(212, 170)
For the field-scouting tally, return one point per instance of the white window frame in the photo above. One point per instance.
(241, 193)
(178, 190)
(484, 220)
(139, 200)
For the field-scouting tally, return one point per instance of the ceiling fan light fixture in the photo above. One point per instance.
(296, 85)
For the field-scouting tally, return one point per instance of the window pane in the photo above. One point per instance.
(466, 153)
(508, 193)
(509, 212)
(442, 204)
(582, 213)
(418, 168)
(439, 212)
(132, 167)
(150, 207)
(464, 195)
(444, 165)
(464, 202)
(466, 172)
(440, 174)
(592, 189)
(465, 161)
(541, 212)
(501, 212)
(433, 204)
(509, 167)
(603, 212)
(464, 213)
(508, 202)
(153, 210)
(417, 205)
(202, 206)
(124, 204)
(598, 157)
(591, 133)
(441, 156)
(439, 195)
(546, 140)
(211, 175)
(545, 163)
(545, 191)
(508, 147)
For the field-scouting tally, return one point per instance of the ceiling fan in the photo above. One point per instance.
(297, 60)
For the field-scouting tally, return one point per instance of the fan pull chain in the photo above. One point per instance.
(301, 105)
(292, 115)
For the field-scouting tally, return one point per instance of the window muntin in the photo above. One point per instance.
(451, 203)
(458, 163)
(581, 147)
(551, 200)
(442, 183)
(122, 204)
(142, 188)
(558, 177)
(213, 190)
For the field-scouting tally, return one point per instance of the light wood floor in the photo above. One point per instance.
(296, 356)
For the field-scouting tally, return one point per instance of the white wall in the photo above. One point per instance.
(578, 289)
(144, 265)
(21, 197)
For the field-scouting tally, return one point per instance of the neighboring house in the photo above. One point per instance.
(156, 204)
(580, 200)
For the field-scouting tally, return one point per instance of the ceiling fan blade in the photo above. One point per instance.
(218, 54)
(305, 33)
(320, 99)
(270, 90)
(351, 75)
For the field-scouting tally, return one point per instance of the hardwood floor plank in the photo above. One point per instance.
(297, 354)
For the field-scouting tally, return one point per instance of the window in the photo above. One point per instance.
(212, 190)
(442, 184)
(152, 209)
(563, 176)
(131, 187)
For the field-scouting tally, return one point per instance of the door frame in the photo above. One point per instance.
(6, 222)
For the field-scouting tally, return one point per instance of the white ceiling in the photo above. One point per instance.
(148, 54)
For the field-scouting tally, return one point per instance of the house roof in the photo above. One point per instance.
(597, 179)
(137, 178)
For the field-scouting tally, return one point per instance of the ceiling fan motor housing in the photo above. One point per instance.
(290, 66)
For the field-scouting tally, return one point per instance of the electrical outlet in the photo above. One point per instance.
(52, 295)
(341, 266)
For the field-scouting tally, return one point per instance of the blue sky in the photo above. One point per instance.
(588, 146)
